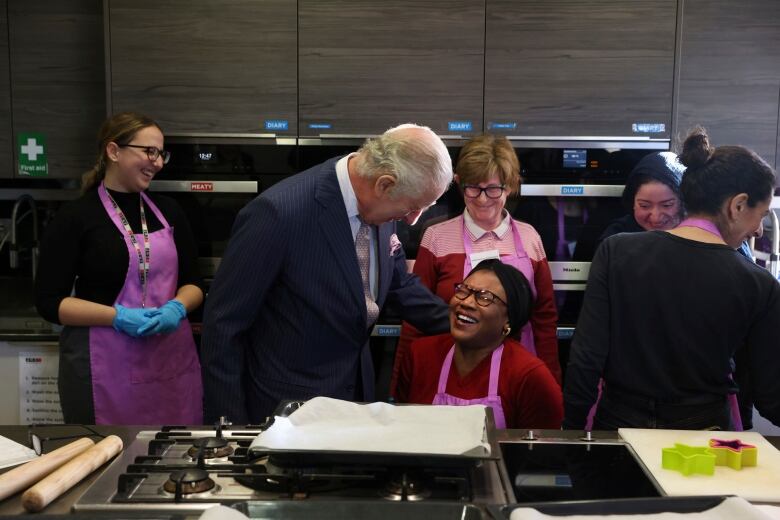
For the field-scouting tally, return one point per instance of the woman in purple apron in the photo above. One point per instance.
(487, 172)
(481, 362)
(127, 355)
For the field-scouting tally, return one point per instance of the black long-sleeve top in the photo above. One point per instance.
(664, 316)
(83, 244)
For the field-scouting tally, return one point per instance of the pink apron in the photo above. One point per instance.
(154, 379)
(710, 227)
(493, 400)
(519, 261)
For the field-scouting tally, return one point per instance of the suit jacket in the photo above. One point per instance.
(285, 317)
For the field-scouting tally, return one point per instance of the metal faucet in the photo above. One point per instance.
(774, 257)
(14, 260)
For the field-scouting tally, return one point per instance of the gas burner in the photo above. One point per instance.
(405, 487)
(188, 481)
(213, 448)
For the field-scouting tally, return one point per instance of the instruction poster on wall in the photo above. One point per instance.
(39, 399)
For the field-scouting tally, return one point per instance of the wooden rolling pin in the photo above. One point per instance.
(28, 474)
(42, 493)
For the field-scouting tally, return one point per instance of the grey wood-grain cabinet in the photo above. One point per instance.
(574, 68)
(206, 67)
(730, 72)
(6, 157)
(367, 65)
(57, 78)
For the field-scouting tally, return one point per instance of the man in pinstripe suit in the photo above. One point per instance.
(286, 316)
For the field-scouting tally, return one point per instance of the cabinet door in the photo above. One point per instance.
(367, 65)
(569, 68)
(6, 159)
(219, 66)
(730, 72)
(58, 79)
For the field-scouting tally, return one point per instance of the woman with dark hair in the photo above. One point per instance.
(118, 271)
(665, 312)
(481, 360)
(651, 195)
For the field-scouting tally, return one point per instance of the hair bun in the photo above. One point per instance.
(696, 149)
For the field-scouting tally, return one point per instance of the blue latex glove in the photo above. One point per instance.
(163, 320)
(128, 320)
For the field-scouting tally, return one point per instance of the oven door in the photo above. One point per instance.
(211, 207)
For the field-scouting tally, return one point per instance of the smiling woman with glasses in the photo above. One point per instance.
(487, 172)
(118, 270)
(481, 361)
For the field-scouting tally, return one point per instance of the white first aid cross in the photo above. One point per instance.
(32, 149)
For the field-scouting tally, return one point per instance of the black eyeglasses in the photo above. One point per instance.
(492, 192)
(36, 442)
(152, 152)
(483, 297)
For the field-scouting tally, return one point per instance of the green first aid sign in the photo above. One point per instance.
(32, 155)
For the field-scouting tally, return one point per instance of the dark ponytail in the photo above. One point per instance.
(715, 174)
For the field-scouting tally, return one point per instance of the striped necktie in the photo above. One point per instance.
(362, 245)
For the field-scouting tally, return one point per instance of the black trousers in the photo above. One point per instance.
(75, 376)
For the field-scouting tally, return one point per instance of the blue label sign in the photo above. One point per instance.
(388, 331)
(565, 333)
(572, 190)
(320, 126)
(276, 124)
(648, 128)
(459, 126)
(503, 125)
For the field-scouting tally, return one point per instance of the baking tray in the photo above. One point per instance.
(374, 509)
(308, 458)
(619, 506)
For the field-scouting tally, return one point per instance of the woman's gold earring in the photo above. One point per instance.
(507, 330)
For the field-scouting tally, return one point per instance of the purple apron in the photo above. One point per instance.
(710, 227)
(493, 400)
(154, 379)
(519, 261)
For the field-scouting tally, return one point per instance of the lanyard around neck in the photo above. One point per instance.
(145, 257)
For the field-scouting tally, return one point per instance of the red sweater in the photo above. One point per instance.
(530, 396)
(440, 262)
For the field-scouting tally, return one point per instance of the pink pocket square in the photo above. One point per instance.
(395, 244)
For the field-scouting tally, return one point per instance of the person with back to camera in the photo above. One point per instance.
(310, 263)
(481, 360)
(666, 311)
(487, 172)
(127, 355)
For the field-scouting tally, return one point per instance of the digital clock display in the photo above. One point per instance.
(575, 158)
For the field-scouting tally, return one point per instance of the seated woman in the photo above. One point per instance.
(479, 362)
(487, 172)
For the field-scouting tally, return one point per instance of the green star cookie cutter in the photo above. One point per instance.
(733, 453)
(688, 459)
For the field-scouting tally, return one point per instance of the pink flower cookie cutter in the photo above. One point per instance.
(733, 453)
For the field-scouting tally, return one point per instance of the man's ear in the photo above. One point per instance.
(456, 179)
(384, 184)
